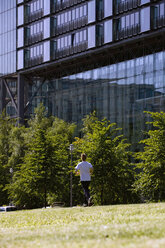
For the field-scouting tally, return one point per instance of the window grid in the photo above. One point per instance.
(72, 19)
(33, 10)
(7, 37)
(127, 25)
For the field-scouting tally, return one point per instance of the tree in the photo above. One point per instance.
(150, 181)
(107, 151)
(31, 181)
(42, 174)
(6, 126)
(61, 136)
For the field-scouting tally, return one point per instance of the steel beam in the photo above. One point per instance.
(11, 95)
(34, 94)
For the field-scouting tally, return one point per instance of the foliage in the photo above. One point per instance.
(30, 182)
(40, 160)
(61, 136)
(42, 174)
(108, 153)
(6, 126)
(151, 161)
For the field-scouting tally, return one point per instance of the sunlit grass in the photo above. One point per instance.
(140, 225)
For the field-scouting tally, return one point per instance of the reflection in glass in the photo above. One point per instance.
(20, 64)
(120, 92)
(145, 19)
(46, 51)
(91, 36)
(108, 8)
(91, 11)
(20, 16)
(7, 36)
(108, 31)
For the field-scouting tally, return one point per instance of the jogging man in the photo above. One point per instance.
(85, 169)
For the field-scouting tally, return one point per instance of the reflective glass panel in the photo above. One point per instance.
(91, 11)
(7, 36)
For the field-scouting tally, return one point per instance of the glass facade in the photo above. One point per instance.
(120, 92)
(76, 26)
(7, 37)
(48, 31)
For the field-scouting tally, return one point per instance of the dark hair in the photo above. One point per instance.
(83, 156)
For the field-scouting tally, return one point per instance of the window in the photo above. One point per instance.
(108, 33)
(129, 20)
(20, 15)
(46, 28)
(66, 17)
(27, 34)
(59, 20)
(81, 11)
(46, 51)
(157, 15)
(53, 49)
(20, 37)
(20, 64)
(77, 13)
(91, 36)
(69, 16)
(59, 44)
(145, 19)
(36, 51)
(99, 9)
(73, 14)
(108, 8)
(69, 40)
(85, 35)
(62, 18)
(99, 34)
(53, 25)
(46, 7)
(72, 39)
(35, 6)
(127, 26)
(91, 11)
(85, 10)
(81, 36)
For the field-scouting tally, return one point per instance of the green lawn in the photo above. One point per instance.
(141, 225)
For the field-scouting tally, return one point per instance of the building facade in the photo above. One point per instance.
(77, 56)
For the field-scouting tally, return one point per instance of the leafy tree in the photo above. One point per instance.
(31, 182)
(151, 161)
(42, 176)
(6, 126)
(107, 151)
(61, 136)
(17, 147)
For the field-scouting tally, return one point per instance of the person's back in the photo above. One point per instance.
(84, 168)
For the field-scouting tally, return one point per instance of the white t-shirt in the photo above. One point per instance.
(84, 168)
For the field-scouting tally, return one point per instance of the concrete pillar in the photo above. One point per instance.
(2, 96)
(20, 93)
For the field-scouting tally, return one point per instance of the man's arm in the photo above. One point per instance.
(91, 170)
(77, 172)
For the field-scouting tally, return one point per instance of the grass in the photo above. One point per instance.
(140, 226)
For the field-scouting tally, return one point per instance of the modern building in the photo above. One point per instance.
(77, 56)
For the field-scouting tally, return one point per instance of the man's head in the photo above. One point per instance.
(83, 156)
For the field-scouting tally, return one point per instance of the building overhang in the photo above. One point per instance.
(108, 54)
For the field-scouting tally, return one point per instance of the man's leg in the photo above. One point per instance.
(85, 186)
